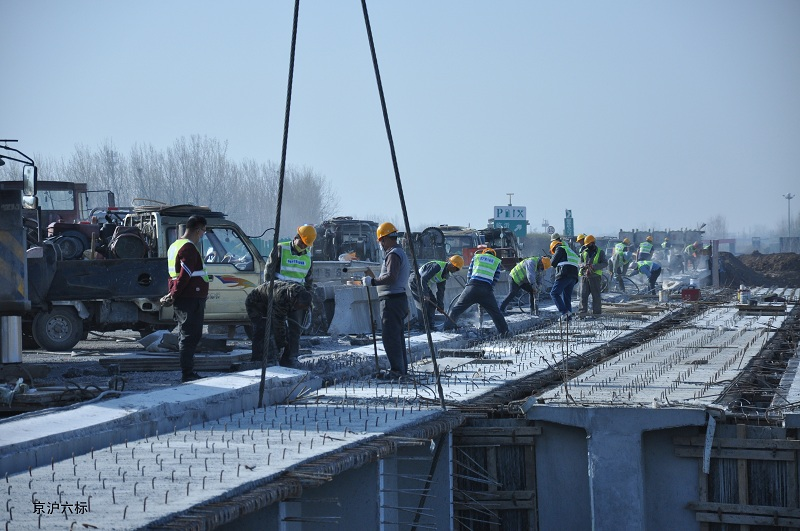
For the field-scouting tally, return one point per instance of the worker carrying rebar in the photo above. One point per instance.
(648, 268)
(566, 261)
(645, 249)
(483, 273)
(619, 261)
(593, 261)
(288, 298)
(526, 276)
(291, 262)
(391, 288)
(433, 276)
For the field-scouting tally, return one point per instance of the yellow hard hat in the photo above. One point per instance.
(546, 262)
(553, 245)
(456, 261)
(385, 229)
(649, 238)
(666, 239)
(307, 234)
(589, 240)
(490, 251)
(626, 241)
(580, 237)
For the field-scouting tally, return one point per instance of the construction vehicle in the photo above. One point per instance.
(505, 243)
(344, 238)
(116, 284)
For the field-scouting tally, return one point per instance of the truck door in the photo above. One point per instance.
(234, 270)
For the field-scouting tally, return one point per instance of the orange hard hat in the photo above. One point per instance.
(307, 234)
(546, 264)
(588, 240)
(553, 245)
(456, 261)
(385, 229)
(490, 251)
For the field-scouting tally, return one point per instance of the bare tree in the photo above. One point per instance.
(717, 227)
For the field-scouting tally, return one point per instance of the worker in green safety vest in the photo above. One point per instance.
(593, 261)
(291, 262)
(526, 276)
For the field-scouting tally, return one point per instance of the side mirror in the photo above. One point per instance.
(30, 202)
(29, 180)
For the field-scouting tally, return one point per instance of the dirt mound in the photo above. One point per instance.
(779, 269)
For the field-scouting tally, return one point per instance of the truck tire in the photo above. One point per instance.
(72, 244)
(58, 330)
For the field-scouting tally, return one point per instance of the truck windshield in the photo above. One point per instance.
(225, 246)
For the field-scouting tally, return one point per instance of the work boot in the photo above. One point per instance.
(190, 377)
(290, 362)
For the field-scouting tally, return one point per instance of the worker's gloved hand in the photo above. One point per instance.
(167, 300)
(366, 281)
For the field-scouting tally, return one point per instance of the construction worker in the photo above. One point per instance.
(690, 253)
(433, 274)
(566, 261)
(645, 249)
(391, 288)
(619, 261)
(526, 276)
(188, 290)
(650, 269)
(579, 242)
(288, 297)
(593, 261)
(291, 262)
(484, 270)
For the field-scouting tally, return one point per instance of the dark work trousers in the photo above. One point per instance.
(189, 313)
(259, 324)
(562, 294)
(394, 310)
(430, 307)
(294, 329)
(482, 294)
(590, 285)
(515, 289)
(652, 278)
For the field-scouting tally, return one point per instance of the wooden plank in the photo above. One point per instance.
(738, 508)
(759, 455)
(747, 520)
(741, 474)
(766, 444)
(171, 362)
(498, 500)
(481, 431)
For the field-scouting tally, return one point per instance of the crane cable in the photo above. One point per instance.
(402, 199)
(271, 289)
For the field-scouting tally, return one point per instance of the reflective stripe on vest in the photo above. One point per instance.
(584, 254)
(645, 247)
(619, 248)
(172, 256)
(294, 267)
(484, 267)
(572, 257)
(519, 271)
(437, 277)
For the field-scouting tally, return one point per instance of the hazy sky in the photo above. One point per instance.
(630, 113)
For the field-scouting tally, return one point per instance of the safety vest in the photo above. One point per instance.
(572, 257)
(619, 248)
(645, 247)
(585, 254)
(690, 250)
(664, 245)
(294, 267)
(438, 276)
(172, 256)
(519, 271)
(484, 267)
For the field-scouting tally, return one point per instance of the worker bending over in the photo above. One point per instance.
(433, 274)
(391, 288)
(291, 262)
(288, 298)
(593, 261)
(484, 270)
(526, 276)
(652, 270)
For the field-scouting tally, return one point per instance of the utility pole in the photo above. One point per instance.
(789, 198)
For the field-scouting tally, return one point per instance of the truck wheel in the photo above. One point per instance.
(58, 330)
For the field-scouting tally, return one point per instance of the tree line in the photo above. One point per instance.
(195, 171)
